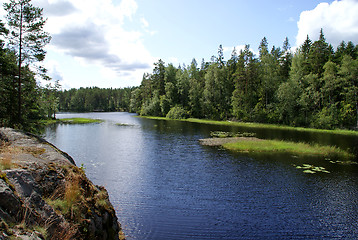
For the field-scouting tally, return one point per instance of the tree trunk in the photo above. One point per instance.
(19, 116)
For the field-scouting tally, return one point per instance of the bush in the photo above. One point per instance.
(151, 108)
(177, 112)
(326, 119)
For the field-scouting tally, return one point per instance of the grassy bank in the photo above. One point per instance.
(262, 125)
(275, 146)
(72, 121)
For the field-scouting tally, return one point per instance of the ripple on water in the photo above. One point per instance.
(164, 185)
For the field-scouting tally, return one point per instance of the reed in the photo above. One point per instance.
(275, 146)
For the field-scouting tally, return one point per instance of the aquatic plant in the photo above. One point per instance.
(311, 169)
(275, 146)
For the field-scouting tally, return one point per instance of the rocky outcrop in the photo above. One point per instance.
(44, 195)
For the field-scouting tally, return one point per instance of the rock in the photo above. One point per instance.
(10, 204)
(43, 189)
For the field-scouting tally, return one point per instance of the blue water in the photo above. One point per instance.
(165, 185)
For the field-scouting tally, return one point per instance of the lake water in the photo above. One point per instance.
(165, 185)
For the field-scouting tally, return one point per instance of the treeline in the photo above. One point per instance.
(37, 102)
(316, 86)
(95, 99)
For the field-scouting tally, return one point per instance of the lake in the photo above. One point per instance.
(164, 185)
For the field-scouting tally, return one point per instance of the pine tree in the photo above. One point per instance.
(27, 38)
(319, 54)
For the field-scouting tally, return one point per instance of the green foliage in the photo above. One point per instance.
(98, 99)
(315, 87)
(22, 100)
(177, 112)
(79, 120)
(152, 107)
(27, 40)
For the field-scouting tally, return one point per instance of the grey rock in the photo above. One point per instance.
(41, 173)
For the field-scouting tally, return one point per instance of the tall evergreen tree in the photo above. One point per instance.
(286, 60)
(319, 54)
(27, 37)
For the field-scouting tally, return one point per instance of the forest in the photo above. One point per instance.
(317, 86)
(95, 99)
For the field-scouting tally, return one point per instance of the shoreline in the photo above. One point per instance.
(258, 125)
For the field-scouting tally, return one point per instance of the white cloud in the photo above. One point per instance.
(339, 21)
(94, 33)
(144, 22)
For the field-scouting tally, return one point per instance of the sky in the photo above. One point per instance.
(112, 43)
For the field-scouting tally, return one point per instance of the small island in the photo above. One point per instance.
(256, 145)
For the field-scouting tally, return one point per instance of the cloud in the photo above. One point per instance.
(54, 72)
(56, 8)
(86, 42)
(144, 22)
(95, 33)
(339, 21)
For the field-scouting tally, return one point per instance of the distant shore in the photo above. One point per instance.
(259, 125)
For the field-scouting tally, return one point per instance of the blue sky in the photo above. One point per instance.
(111, 43)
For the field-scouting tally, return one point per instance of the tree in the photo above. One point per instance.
(8, 69)
(27, 38)
(319, 54)
(158, 77)
(263, 48)
(220, 58)
(50, 99)
(196, 83)
(286, 60)
(244, 97)
(349, 75)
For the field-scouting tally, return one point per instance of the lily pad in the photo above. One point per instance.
(311, 169)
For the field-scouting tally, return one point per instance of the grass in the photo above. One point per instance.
(6, 162)
(67, 204)
(262, 125)
(80, 120)
(72, 121)
(275, 146)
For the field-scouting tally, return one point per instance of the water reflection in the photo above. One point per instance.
(164, 185)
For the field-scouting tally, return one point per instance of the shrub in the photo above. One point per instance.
(151, 108)
(177, 112)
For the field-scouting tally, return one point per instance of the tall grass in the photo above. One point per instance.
(6, 161)
(66, 204)
(275, 146)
